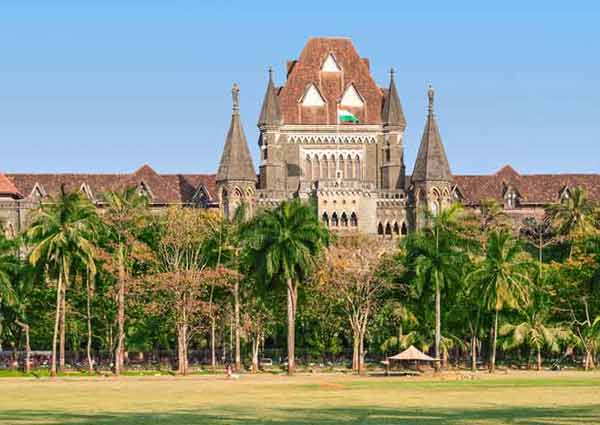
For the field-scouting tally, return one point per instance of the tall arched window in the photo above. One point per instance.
(332, 167)
(349, 168)
(324, 168)
(341, 164)
(403, 230)
(325, 219)
(308, 168)
(388, 229)
(316, 168)
(380, 229)
(396, 229)
(357, 168)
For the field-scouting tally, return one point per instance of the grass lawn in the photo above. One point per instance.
(514, 398)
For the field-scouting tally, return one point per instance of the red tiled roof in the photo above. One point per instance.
(331, 85)
(165, 188)
(532, 188)
(8, 188)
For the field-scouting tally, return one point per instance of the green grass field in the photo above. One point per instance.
(515, 398)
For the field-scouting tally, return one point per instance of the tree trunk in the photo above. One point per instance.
(361, 353)
(494, 341)
(355, 351)
(438, 322)
(291, 337)
(255, 345)
(539, 358)
(63, 304)
(473, 354)
(213, 354)
(25, 328)
(89, 327)
(56, 323)
(236, 297)
(120, 350)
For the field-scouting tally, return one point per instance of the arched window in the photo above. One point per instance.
(344, 220)
(308, 168)
(341, 164)
(332, 167)
(357, 168)
(380, 229)
(325, 219)
(316, 168)
(334, 220)
(388, 229)
(403, 230)
(396, 229)
(324, 167)
(353, 220)
(349, 168)
(435, 208)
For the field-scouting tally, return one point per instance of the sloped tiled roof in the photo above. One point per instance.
(532, 188)
(7, 188)
(307, 70)
(165, 188)
(270, 113)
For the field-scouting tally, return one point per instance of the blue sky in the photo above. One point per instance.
(108, 85)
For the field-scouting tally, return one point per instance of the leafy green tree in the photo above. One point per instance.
(63, 231)
(501, 280)
(437, 255)
(127, 212)
(285, 243)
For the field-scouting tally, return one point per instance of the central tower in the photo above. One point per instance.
(330, 133)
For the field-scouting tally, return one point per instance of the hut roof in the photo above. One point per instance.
(412, 353)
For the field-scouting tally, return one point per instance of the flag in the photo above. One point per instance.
(346, 116)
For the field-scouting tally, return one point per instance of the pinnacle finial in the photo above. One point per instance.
(271, 73)
(392, 72)
(235, 93)
(430, 95)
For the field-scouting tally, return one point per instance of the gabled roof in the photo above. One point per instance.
(431, 163)
(270, 113)
(7, 188)
(236, 162)
(539, 189)
(308, 69)
(392, 114)
(165, 188)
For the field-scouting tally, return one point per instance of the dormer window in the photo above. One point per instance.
(511, 199)
(352, 98)
(330, 64)
(312, 97)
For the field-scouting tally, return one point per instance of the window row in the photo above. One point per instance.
(392, 229)
(340, 221)
(333, 167)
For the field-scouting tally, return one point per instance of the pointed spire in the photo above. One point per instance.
(270, 114)
(392, 114)
(432, 162)
(236, 161)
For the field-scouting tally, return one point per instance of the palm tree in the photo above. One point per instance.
(535, 332)
(437, 255)
(127, 211)
(574, 217)
(501, 280)
(63, 231)
(284, 243)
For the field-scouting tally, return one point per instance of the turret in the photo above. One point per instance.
(393, 171)
(236, 177)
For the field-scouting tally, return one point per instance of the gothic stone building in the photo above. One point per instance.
(330, 133)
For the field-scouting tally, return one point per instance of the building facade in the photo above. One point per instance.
(331, 134)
